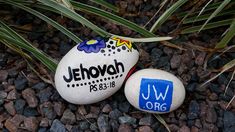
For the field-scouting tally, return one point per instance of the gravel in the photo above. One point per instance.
(28, 103)
(3, 75)
(57, 126)
(146, 121)
(19, 106)
(29, 96)
(115, 114)
(127, 120)
(20, 84)
(124, 107)
(194, 110)
(125, 128)
(229, 119)
(68, 117)
(10, 108)
(103, 123)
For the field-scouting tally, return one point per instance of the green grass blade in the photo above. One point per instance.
(46, 19)
(163, 3)
(167, 14)
(52, 64)
(112, 17)
(74, 16)
(206, 16)
(36, 53)
(229, 35)
(17, 50)
(220, 8)
(210, 7)
(204, 7)
(208, 26)
(144, 40)
(12, 33)
(223, 69)
(162, 121)
(106, 4)
(102, 13)
(66, 3)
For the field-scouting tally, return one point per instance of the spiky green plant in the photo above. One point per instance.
(212, 15)
(65, 8)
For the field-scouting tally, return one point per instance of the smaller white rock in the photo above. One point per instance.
(154, 91)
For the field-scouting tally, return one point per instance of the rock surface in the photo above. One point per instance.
(203, 110)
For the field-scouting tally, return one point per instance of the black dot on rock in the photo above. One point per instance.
(68, 85)
(112, 77)
(93, 81)
(111, 42)
(81, 84)
(121, 75)
(97, 81)
(101, 80)
(73, 85)
(108, 54)
(118, 50)
(102, 51)
(110, 50)
(77, 85)
(108, 78)
(108, 46)
(113, 47)
(116, 76)
(89, 83)
(128, 50)
(105, 79)
(113, 52)
(104, 54)
(85, 83)
(123, 48)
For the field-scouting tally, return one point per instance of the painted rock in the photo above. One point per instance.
(154, 91)
(95, 69)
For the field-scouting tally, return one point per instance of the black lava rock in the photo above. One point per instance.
(28, 112)
(127, 120)
(44, 95)
(146, 121)
(42, 129)
(115, 114)
(215, 88)
(229, 119)
(114, 124)
(191, 87)
(124, 107)
(103, 123)
(194, 110)
(64, 48)
(19, 105)
(57, 126)
(83, 125)
(20, 84)
(39, 86)
(3, 59)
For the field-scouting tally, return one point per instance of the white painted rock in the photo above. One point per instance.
(94, 70)
(154, 91)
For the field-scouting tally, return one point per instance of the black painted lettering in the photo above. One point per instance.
(76, 74)
(84, 71)
(94, 72)
(102, 70)
(119, 64)
(111, 70)
(70, 75)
